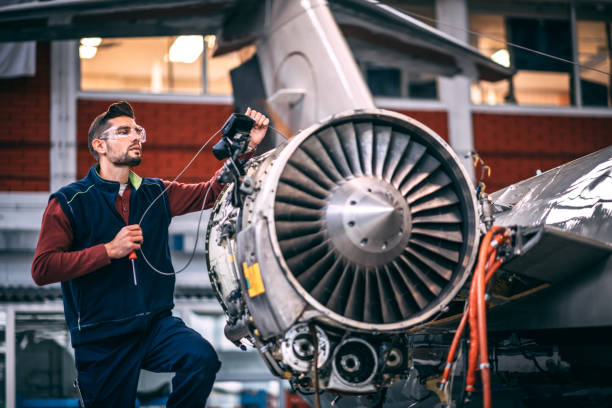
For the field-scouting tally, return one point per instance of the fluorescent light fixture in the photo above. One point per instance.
(502, 57)
(186, 48)
(91, 42)
(87, 52)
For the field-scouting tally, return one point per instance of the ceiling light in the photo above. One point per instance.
(87, 52)
(91, 42)
(186, 48)
(502, 57)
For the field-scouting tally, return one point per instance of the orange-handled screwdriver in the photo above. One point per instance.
(133, 258)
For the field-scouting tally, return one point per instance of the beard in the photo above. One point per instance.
(127, 160)
(124, 159)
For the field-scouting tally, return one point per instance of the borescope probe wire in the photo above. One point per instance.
(199, 218)
(201, 210)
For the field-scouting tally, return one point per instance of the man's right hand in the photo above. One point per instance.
(128, 239)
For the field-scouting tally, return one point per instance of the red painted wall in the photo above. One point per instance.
(515, 146)
(24, 134)
(436, 120)
(175, 132)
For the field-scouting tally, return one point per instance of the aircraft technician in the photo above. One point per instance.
(119, 317)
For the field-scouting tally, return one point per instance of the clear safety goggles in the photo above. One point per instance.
(122, 132)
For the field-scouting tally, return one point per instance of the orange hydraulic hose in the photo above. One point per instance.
(491, 270)
(486, 267)
(475, 342)
(492, 264)
(485, 373)
(453, 350)
(462, 324)
(470, 378)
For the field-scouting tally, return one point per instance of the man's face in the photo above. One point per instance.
(126, 151)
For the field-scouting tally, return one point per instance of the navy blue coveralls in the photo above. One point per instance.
(117, 327)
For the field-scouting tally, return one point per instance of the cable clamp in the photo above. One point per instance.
(484, 365)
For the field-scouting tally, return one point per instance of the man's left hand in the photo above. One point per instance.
(259, 128)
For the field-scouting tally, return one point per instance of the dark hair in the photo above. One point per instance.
(99, 124)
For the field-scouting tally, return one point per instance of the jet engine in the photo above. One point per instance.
(350, 234)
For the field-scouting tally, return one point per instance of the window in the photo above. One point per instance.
(398, 80)
(490, 93)
(182, 64)
(594, 51)
(390, 74)
(541, 80)
(384, 81)
(422, 86)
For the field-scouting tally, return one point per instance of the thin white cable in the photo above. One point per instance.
(194, 245)
(511, 44)
(199, 218)
(201, 210)
(179, 175)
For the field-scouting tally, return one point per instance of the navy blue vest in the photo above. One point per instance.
(106, 302)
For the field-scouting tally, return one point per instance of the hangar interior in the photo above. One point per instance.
(544, 114)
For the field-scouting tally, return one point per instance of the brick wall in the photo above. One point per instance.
(24, 136)
(175, 132)
(515, 146)
(436, 120)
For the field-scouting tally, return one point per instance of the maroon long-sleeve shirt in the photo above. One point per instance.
(55, 262)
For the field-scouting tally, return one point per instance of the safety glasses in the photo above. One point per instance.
(123, 131)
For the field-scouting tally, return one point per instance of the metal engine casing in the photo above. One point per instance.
(358, 228)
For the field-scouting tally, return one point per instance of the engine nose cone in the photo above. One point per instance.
(375, 220)
(368, 221)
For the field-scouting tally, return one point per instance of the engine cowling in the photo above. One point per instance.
(363, 226)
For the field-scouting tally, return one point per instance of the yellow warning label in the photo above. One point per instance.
(254, 283)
